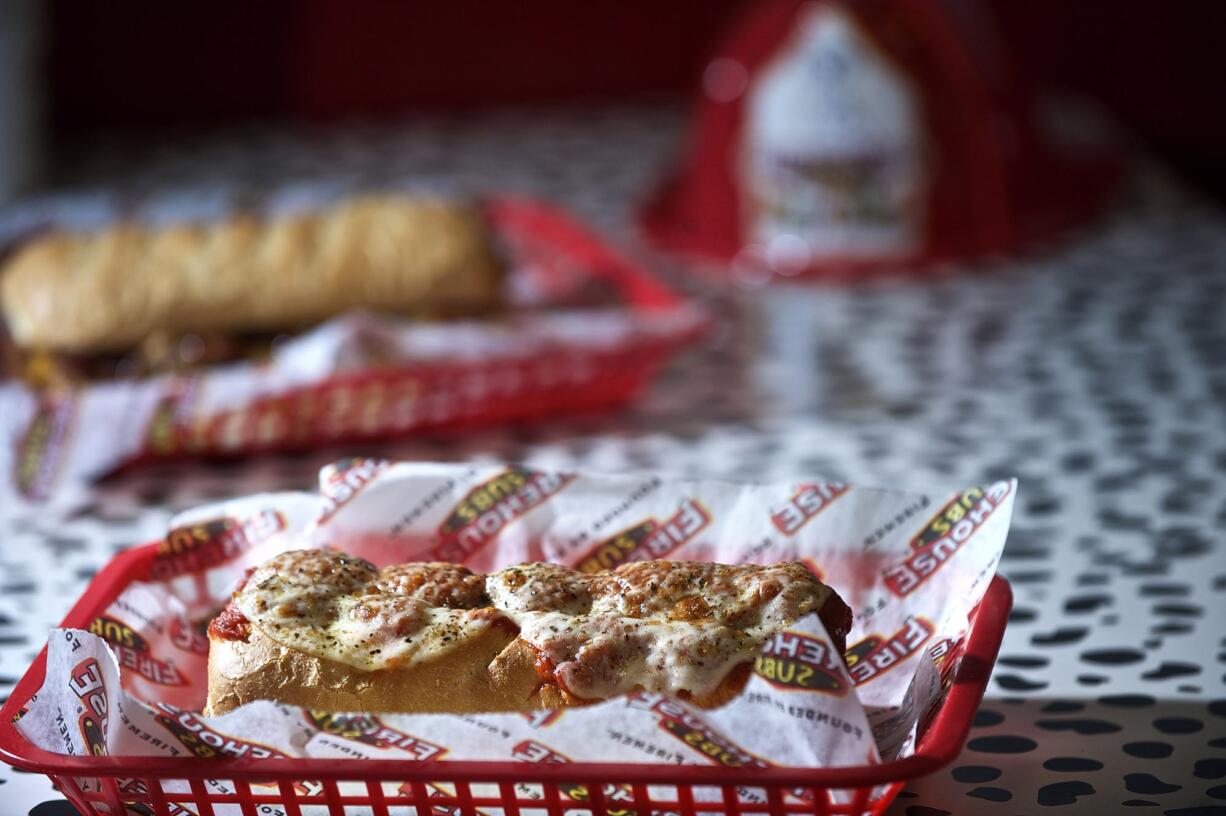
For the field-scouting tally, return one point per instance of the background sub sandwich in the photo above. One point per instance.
(137, 298)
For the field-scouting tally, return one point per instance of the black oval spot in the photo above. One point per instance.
(1113, 657)
(1072, 764)
(1090, 579)
(1189, 689)
(1002, 744)
(1060, 636)
(60, 807)
(974, 774)
(1218, 792)
(1182, 542)
(1063, 793)
(1115, 520)
(991, 794)
(1020, 553)
(1172, 628)
(1164, 590)
(24, 588)
(1178, 725)
(1021, 614)
(1149, 749)
(1178, 610)
(1044, 506)
(1077, 462)
(1199, 810)
(1091, 679)
(1013, 682)
(1081, 604)
(1024, 661)
(1220, 742)
(1029, 576)
(1168, 669)
(1127, 700)
(923, 810)
(1148, 783)
(985, 717)
(1139, 803)
(1209, 768)
(1079, 726)
(1217, 708)
(1062, 707)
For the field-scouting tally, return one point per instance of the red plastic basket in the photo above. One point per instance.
(552, 255)
(448, 788)
(394, 400)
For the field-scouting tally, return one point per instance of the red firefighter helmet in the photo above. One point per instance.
(835, 138)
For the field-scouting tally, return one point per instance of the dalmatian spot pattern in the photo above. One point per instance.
(1093, 368)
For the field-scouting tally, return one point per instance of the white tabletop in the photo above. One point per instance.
(1095, 371)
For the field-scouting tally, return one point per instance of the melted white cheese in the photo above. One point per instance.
(604, 655)
(394, 631)
(618, 643)
(668, 628)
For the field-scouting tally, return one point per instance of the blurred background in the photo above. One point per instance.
(75, 73)
(1057, 317)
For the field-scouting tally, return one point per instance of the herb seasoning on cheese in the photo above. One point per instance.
(673, 627)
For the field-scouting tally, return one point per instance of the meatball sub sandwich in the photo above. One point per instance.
(324, 630)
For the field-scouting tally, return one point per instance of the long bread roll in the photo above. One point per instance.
(323, 630)
(107, 290)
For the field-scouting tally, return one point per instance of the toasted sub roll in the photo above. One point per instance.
(108, 290)
(459, 680)
(326, 631)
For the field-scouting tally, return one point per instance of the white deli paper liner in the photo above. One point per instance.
(911, 566)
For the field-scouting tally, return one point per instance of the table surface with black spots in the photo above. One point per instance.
(1094, 370)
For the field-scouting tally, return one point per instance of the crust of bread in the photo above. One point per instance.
(518, 661)
(107, 290)
(465, 679)
(495, 671)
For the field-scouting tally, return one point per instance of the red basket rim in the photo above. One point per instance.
(643, 291)
(938, 747)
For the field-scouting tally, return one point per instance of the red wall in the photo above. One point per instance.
(153, 62)
(143, 65)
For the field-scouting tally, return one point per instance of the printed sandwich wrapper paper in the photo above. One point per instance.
(911, 567)
(351, 376)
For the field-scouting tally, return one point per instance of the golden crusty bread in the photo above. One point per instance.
(107, 290)
(327, 631)
(465, 679)
(493, 672)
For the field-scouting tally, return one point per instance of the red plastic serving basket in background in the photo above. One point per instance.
(390, 401)
(389, 786)
(565, 265)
